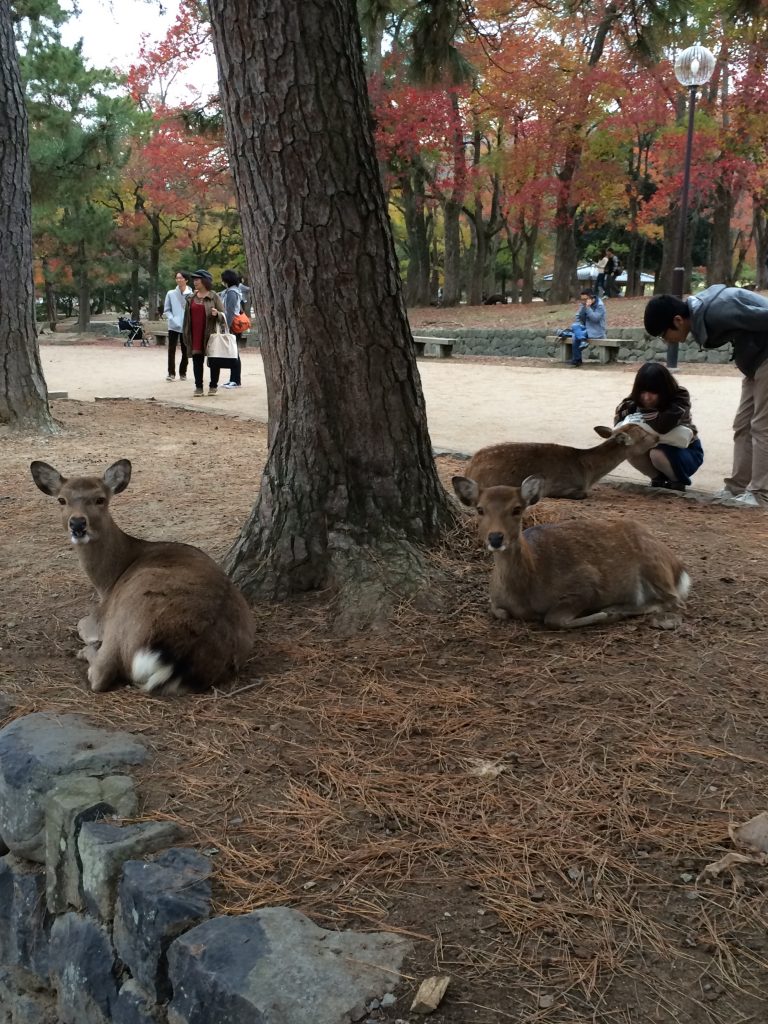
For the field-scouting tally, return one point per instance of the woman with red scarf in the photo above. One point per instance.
(200, 315)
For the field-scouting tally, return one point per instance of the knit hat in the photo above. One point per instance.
(204, 276)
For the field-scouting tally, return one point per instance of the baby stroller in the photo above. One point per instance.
(134, 330)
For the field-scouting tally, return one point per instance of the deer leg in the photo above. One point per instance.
(104, 671)
(89, 629)
(499, 613)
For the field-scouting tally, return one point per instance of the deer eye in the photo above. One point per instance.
(98, 501)
(480, 511)
(62, 501)
(516, 511)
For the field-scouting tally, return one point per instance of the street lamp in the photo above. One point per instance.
(693, 68)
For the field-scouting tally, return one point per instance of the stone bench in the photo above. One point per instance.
(157, 328)
(443, 346)
(607, 348)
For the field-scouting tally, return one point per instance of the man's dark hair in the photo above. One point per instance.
(231, 278)
(184, 274)
(660, 313)
(588, 292)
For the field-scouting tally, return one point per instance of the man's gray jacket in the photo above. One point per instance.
(721, 315)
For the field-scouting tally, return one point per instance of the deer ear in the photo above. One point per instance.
(603, 431)
(49, 480)
(531, 489)
(118, 476)
(467, 490)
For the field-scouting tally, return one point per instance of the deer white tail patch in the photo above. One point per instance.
(150, 672)
(684, 585)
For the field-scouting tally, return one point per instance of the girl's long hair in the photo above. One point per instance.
(656, 378)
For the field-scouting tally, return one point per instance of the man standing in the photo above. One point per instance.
(173, 311)
(719, 316)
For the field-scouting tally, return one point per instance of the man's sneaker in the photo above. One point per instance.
(231, 384)
(171, 377)
(745, 500)
(583, 345)
(724, 493)
(198, 393)
(182, 377)
(213, 391)
(660, 481)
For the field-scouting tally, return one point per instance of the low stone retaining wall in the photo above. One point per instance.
(532, 341)
(103, 921)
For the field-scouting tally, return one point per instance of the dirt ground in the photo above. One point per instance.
(532, 807)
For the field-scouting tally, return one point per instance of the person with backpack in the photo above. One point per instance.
(721, 315)
(612, 271)
(237, 322)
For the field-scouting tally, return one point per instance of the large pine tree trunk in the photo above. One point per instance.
(23, 395)
(349, 490)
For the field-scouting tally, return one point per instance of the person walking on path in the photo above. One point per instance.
(721, 315)
(591, 318)
(233, 303)
(658, 401)
(202, 309)
(173, 311)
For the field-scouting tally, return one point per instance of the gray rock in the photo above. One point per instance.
(24, 999)
(135, 1006)
(36, 752)
(82, 971)
(157, 901)
(25, 924)
(75, 800)
(104, 848)
(277, 965)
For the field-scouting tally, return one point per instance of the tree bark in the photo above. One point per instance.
(23, 394)
(349, 491)
(720, 265)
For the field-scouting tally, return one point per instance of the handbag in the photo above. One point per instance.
(241, 323)
(221, 344)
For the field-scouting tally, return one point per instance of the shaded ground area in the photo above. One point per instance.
(533, 807)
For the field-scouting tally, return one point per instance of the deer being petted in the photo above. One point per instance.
(565, 472)
(169, 619)
(576, 573)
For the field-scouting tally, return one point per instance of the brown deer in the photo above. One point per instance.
(566, 472)
(169, 619)
(574, 573)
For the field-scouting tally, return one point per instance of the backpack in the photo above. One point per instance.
(240, 323)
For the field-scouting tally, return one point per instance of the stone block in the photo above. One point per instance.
(24, 921)
(74, 801)
(24, 999)
(277, 965)
(82, 971)
(157, 901)
(135, 1006)
(36, 752)
(104, 848)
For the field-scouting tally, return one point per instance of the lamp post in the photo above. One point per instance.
(693, 68)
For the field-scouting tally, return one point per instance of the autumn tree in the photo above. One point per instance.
(23, 394)
(349, 491)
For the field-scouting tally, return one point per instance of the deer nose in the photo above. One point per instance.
(78, 525)
(496, 540)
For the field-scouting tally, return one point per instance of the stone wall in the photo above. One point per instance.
(532, 341)
(106, 920)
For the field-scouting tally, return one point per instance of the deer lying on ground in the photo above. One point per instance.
(566, 472)
(577, 573)
(169, 619)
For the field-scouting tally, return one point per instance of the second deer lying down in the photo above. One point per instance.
(577, 573)
(566, 472)
(169, 619)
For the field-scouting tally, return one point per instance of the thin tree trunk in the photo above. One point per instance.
(452, 281)
(23, 395)
(50, 294)
(349, 491)
(83, 288)
(720, 265)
